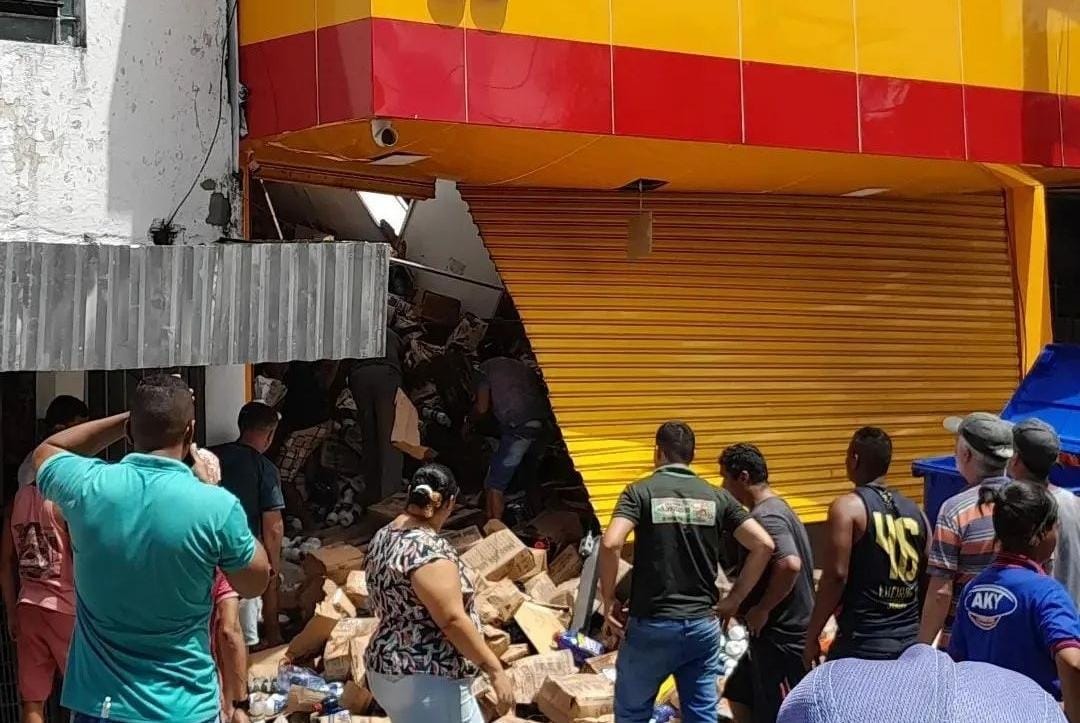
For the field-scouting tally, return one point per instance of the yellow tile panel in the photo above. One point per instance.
(336, 12)
(918, 39)
(700, 27)
(819, 34)
(268, 19)
(440, 12)
(587, 21)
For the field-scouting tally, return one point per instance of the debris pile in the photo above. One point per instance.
(528, 582)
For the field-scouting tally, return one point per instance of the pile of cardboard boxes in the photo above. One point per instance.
(525, 597)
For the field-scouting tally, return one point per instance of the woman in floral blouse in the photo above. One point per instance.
(427, 650)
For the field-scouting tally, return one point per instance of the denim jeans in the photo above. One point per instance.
(425, 698)
(517, 446)
(655, 648)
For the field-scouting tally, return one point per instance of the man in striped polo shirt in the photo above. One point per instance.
(964, 536)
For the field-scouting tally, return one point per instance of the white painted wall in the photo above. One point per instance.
(97, 142)
(226, 392)
(440, 233)
(51, 385)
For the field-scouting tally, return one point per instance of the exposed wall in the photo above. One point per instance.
(226, 392)
(97, 142)
(440, 233)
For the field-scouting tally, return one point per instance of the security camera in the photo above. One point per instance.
(383, 133)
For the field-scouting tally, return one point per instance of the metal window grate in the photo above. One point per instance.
(41, 21)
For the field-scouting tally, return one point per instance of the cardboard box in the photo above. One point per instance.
(334, 562)
(540, 624)
(357, 590)
(528, 675)
(575, 698)
(497, 640)
(264, 664)
(499, 556)
(388, 509)
(497, 603)
(337, 655)
(514, 653)
(462, 540)
(539, 565)
(439, 309)
(302, 700)
(540, 588)
(356, 698)
(493, 526)
(358, 645)
(312, 639)
(566, 565)
(601, 663)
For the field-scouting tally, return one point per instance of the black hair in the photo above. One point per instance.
(745, 457)
(1022, 512)
(432, 486)
(257, 417)
(676, 441)
(64, 410)
(161, 410)
(874, 448)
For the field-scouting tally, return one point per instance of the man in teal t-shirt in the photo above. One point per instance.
(147, 536)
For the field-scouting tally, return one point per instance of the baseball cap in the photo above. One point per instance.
(985, 432)
(923, 686)
(1037, 445)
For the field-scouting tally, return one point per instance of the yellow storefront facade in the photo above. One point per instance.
(848, 225)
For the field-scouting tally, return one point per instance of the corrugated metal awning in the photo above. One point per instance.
(94, 306)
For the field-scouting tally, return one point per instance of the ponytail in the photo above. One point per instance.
(432, 486)
(1023, 513)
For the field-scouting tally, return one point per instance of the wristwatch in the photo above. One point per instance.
(242, 704)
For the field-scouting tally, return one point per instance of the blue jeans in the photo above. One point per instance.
(515, 445)
(655, 648)
(425, 698)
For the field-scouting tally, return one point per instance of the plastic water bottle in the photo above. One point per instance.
(662, 714)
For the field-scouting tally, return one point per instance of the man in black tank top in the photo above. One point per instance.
(874, 564)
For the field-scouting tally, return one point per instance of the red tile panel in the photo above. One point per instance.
(345, 73)
(675, 95)
(1070, 130)
(419, 70)
(795, 107)
(279, 75)
(1011, 126)
(911, 117)
(530, 82)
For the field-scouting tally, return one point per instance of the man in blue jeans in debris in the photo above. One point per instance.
(147, 537)
(678, 519)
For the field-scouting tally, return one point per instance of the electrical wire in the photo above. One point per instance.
(222, 81)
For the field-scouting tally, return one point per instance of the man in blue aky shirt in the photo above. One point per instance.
(1013, 614)
(147, 536)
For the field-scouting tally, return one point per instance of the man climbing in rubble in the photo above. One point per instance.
(374, 384)
(679, 520)
(512, 392)
(147, 536)
(37, 576)
(253, 478)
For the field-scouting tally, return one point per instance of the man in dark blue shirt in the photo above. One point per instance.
(253, 478)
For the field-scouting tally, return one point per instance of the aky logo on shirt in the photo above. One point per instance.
(987, 604)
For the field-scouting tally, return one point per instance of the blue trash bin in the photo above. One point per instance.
(1051, 392)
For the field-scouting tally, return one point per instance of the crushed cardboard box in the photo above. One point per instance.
(541, 625)
(462, 540)
(566, 565)
(538, 567)
(574, 698)
(356, 698)
(601, 664)
(357, 590)
(337, 655)
(496, 639)
(497, 603)
(540, 588)
(514, 653)
(499, 555)
(528, 675)
(334, 608)
(334, 562)
(264, 664)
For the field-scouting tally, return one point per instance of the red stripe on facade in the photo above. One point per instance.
(795, 107)
(528, 82)
(419, 71)
(911, 117)
(676, 95)
(416, 70)
(280, 79)
(1010, 126)
(345, 72)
